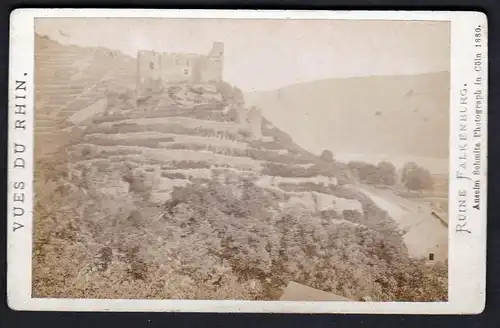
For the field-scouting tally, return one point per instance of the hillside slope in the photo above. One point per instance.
(68, 79)
(177, 197)
(395, 115)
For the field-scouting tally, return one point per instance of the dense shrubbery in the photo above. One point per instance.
(382, 174)
(174, 175)
(217, 241)
(327, 156)
(307, 186)
(236, 152)
(151, 142)
(212, 240)
(271, 156)
(212, 114)
(183, 165)
(387, 173)
(230, 93)
(294, 171)
(257, 154)
(373, 217)
(270, 130)
(165, 128)
(352, 260)
(265, 145)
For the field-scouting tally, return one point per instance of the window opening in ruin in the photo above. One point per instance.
(431, 257)
(151, 65)
(186, 72)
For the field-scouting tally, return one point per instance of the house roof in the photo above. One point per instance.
(297, 292)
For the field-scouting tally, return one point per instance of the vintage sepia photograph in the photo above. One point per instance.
(247, 161)
(241, 159)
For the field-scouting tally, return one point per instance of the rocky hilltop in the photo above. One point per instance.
(189, 193)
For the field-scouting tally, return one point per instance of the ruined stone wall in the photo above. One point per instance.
(148, 70)
(250, 120)
(255, 120)
(178, 67)
(154, 70)
(148, 77)
(213, 64)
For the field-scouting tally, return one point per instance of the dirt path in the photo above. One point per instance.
(423, 233)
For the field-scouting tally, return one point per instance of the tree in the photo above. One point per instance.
(416, 178)
(226, 90)
(230, 93)
(387, 172)
(327, 156)
(238, 96)
(367, 173)
(344, 177)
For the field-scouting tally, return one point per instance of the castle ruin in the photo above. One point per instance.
(156, 69)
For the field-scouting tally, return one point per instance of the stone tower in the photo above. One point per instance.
(148, 74)
(215, 63)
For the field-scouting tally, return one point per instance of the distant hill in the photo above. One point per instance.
(394, 115)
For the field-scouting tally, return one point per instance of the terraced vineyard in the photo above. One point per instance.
(205, 139)
(69, 79)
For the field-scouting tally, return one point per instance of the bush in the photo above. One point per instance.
(387, 173)
(141, 142)
(382, 174)
(344, 177)
(416, 178)
(245, 133)
(271, 156)
(259, 144)
(226, 90)
(269, 130)
(183, 164)
(140, 182)
(230, 93)
(196, 112)
(164, 128)
(327, 156)
(288, 171)
(174, 175)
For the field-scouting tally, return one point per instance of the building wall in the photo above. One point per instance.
(178, 67)
(213, 69)
(429, 237)
(149, 63)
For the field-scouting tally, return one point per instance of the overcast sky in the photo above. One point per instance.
(268, 54)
